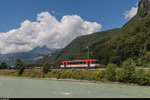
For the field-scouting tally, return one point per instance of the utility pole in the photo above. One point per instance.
(88, 47)
(88, 53)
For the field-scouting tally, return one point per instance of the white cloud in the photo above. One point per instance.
(47, 30)
(131, 13)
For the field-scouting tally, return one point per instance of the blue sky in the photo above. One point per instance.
(108, 13)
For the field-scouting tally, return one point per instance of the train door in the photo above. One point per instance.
(64, 64)
(88, 63)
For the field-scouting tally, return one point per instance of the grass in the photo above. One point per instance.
(83, 74)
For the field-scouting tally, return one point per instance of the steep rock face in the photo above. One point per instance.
(144, 8)
(145, 4)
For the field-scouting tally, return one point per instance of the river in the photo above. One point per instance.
(37, 88)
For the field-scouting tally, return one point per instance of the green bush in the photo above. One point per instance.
(119, 75)
(128, 70)
(46, 67)
(111, 72)
(102, 74)
(141, 77)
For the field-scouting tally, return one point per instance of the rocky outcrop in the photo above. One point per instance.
(145, 4)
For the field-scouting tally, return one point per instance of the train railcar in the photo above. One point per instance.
(80, 64)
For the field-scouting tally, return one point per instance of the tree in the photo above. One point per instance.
(3, 65)
(19, 65)
(142, 12)
(46, 67)
(144, 60)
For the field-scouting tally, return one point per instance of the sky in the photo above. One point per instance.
(26, 24)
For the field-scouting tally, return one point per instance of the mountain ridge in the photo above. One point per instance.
(27, 57)
(79, 46)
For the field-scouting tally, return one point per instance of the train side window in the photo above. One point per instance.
(82, 63)
(96, 62)
(93, 62)
(79, 62)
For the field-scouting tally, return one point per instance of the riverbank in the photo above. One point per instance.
(73, 75)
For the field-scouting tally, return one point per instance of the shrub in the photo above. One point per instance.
(102, 74)
(111, 72)
(141, 77)
(46, 67)
(119, 75)
(128, 70)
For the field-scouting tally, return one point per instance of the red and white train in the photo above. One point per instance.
(80, 64)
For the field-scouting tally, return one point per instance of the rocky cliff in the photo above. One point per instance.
(144, 8)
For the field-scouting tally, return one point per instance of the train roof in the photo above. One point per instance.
(82, 60)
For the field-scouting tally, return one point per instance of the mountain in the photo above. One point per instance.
(113, 46)
(27, 57)
(2, 56)
(77, 49)
(133, 40)
(42, 50)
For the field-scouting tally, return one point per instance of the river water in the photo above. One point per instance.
(36, 88)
